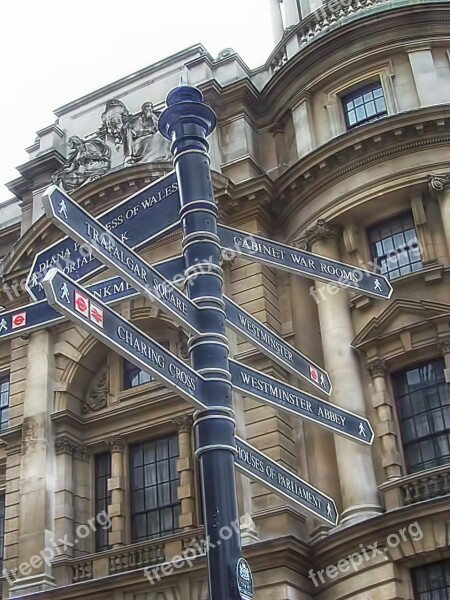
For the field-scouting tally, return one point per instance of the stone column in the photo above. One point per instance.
(37, 469)
(185, 467)
(82, 496)
(64, 513)
(444, 347)
(319, 443)
(385, 428)
(355, 465)
(441, 185)
(116, 485)
(304, 126)
(428, 86)
(277, 20)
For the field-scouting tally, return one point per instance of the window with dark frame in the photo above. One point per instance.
(2, 530)
(155, 507)
(4, 401)
(423, 405)
(134, 376)
(432, 582)
(364, 104)
(394, 246)
(102, 472)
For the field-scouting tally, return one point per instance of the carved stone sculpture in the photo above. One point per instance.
(97, 395)
(89, 160)
(115, 118)
(143, 142)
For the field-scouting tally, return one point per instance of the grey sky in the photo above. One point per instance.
(53, 51)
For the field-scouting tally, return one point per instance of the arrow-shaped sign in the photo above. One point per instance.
(275, 347)
(300, 262)
(256, 465)
(104, 245)
(81, 306)
(140, 219)
(281, 395)
(38, 315)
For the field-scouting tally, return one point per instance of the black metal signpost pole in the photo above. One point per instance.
(186, 122)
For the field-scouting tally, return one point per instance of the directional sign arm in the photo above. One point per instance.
(274, 346)
(77, 304)
(256, 465)
(103, 244)
(159, 202)
(269, 390)
(300, 262)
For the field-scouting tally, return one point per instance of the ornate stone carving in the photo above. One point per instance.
(116, 444)
(114, 119)
(89, 160)
(143, 142)
(138, 134)
(82, 452)
(97, 395)
(184, 423)
(64, 445)
(438, 183)
(376, 369)
(182, 345)
(321, 230)
(444, 346)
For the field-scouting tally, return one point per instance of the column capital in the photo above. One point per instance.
(64, 445)
(376, 368)
(321, 230)
(444, 345)
(115, 444)
(438, 183)
(184, 423)
(82, 452)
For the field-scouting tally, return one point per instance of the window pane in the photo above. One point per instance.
(432, 581)
(156, 503)
(364, 104)
(390, 247)
(102, 472)
(424, 417)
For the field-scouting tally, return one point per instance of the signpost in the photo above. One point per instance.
(81, 306)
(188, 198)
(143, 217)
(38, 315)
(281, 395)
(79, 224)
(300, 262)
(257, 466)
(275, 347)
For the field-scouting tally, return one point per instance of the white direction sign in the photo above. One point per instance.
(257, 466)
(82, 227)
(79, 305)
(281, 395)
(300, 262)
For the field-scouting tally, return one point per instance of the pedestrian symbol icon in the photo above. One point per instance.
(3, 325)
(62, 208)
(362, 430)
(65, 293)
(377, 285)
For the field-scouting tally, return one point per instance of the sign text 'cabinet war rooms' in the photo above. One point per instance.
(184, 199)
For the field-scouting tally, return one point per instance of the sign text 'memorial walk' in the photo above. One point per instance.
(79, 224)
(143, 217)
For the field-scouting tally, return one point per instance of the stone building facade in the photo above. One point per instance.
(339, 144)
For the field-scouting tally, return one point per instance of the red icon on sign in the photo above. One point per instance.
(314, 374)
(96, 314)
(81, 304)
(19, 320)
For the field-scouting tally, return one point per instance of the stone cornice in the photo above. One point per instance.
(357, 149)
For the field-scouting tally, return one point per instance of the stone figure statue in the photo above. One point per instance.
(114, 120)
(143, 142)
(89, 160)
(97, 395)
